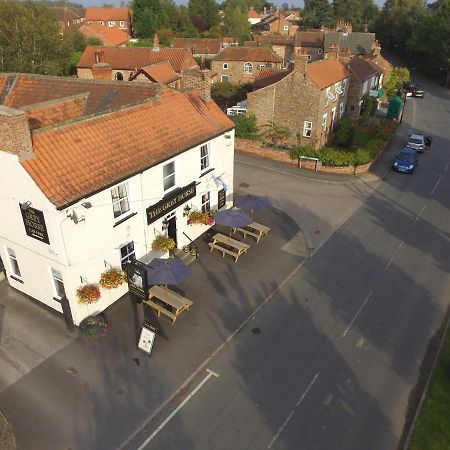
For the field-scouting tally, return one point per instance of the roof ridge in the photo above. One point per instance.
(54, 101)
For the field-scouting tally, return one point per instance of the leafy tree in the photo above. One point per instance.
(317, 13)
(227, 94)
(185, 27)
(30, 39)
(398, 76)
(166, 36)
(236, 24)
(368, 107)
(148, 17)
(206, 9)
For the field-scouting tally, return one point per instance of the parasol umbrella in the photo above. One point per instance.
(167, 271)
(253, 202)
(232, 218)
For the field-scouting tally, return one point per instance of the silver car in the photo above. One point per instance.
(416, 141)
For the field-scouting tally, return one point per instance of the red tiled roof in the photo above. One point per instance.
(198, 46)
(107, 14)
(135, 58)
(379, 60)
(326, 72)
(259, 54)
(362, 68)
(274, 40)
(266, 77)
(252, 14)
(161, 73)
(75, 160)
(109, 36)
(103, 95)
(309, 38)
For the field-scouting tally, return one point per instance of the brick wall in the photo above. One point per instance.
(199, 79)
(354, 97)
(236, 70)
(313, 52)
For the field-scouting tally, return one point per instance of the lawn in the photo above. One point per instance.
(432, 430)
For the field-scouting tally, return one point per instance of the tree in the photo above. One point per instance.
(236, 24)
(317, 13)
(206, 9)
(148, 17)
(30, 39)
(185, 27)
(398, 76)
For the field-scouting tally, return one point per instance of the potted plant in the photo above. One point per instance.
(201, 217)
(112, 278)
(163, 243)
(94, 326)
(89, 293)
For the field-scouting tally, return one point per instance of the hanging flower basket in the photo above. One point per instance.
(95, 326)
(112, 278)
(200, 217)
(89, 293)
(163, 243)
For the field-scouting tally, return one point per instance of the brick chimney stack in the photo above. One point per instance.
(155, 43)
(376, 48)
(101, 71)
(98, 56)
(301, 61)
(15, 136)
(198, 79)
(345, 55)
(333, 51)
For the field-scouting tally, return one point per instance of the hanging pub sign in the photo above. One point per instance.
(222, 196)
(34, 223)
(137, 279)
(175, 199)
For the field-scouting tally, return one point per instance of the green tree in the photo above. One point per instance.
(206, 9)
(148, 17)
(30, 39)
(246, 127)
(236, 24)
(317, 13)
(398, 76)
(344, 133)
(185, 27)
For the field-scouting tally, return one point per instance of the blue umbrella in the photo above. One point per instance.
(167, 271)
(253, 202)
(232, 218)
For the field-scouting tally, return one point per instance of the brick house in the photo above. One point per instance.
(310, 99)
(253, 16)
(119, 18)
(109, 37)
(68, 18)
(366, 77)
(203, 47)
(375, 57)
(280, 22)
(283, 46)
(312, 42)
(242, 64)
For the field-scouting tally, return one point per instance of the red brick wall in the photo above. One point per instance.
(15, 134)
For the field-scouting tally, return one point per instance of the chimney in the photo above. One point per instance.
(198, 79)
(155, 43)
(345, 55)
(333, 51)
(376, 48)
(101, 71)
(15, 136)
(301, 61)
(98, 56)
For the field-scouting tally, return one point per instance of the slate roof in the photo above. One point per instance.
(326, 72)
(362, 68)
(109, 36)
(358, 43)
(77, 159)
(247, 54)
(309, 39)
(105, 14)
(27, 89)
(198, 46)
(128, 58)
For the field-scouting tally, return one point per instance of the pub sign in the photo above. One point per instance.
(221, 198)
(168, 204)
(34, 223)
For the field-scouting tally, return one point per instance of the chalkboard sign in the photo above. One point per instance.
(34, 223)
(222, 198)
(146, 339)
(137, 279)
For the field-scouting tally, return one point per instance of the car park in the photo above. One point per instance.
(406, 161)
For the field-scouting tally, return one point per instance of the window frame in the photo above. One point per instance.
(12, 258)
(111, 23)
(307, 129)
(172, 174)
(341, 109)
(122, 24)
(205, 159)
(319, 51)
(130, 255)
(324, 122)
(206, 202)
(225, 66)
(120, 199)
(285, 27)
(57, 278)
(224, 76)
(248, 65)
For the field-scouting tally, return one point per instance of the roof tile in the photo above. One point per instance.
(326, 72)
(259, 54)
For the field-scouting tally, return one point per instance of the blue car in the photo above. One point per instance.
(406, 161)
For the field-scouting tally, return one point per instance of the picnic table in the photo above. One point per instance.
(173, 304)
(228, 245)
(253, 229)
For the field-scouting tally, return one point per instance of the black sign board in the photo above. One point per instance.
(34, 223)
(221, 198)
(137, 279)
(168, 204)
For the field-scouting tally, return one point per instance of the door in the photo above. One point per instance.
(172, 229)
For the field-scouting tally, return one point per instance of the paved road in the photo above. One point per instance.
(330, 361)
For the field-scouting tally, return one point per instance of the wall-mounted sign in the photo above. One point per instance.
(222, 198)
(34, 223)
(175, 199)
(137, 279)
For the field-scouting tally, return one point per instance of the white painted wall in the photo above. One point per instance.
(81, 250)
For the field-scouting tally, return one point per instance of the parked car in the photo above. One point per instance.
(406, 161)
(416, 141)
(413, 90)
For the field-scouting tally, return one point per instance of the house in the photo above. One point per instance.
(119, 18)
(366, 80)
(357, 43)
(242, 64)
(309, 99)
(109, 37)
(126, 61)
(68, 18)
(375, 57)
(312, 42)
(279, 22)
(283, 46)
(94, 171)
(253, 16)
(204, 47)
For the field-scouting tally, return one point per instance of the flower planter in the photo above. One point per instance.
(112, 278)
(89, 293)
(163, 244)
(201, 218)
(95, 326)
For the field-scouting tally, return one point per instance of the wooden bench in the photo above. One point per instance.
(253, 229)
(160, 309)
(224, 250)
(244, 232)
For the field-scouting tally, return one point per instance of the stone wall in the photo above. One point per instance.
(354, 97)
(236, 70)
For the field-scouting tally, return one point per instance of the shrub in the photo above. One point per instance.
(336, 157)
(362, 157)
(246, 127)
(368, 107)
(344, 133)
(303, 150)
(95, 326)
(276, 133)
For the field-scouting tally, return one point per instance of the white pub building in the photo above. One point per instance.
(93, 171)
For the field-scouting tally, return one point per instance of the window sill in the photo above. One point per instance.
(206, 172)
(16, 279)
(124, 219)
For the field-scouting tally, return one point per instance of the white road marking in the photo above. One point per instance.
(357, 314)
(436, 185)
(446, 167)
(393, 256)
(210, 374)
(289, 417)
(418, 215)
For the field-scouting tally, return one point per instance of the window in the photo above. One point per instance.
(224, 78)
(13, 262)
(58, 283)
(122, 24)
(319, 51)
(286, 28)
(309, 57)
(111, 23)
(327, 95)
(127, 254)
(204, 157)
(307, 129)
(344, 86)
(119, 195)
(248, 68)
(225, 66)
(206, 202)
(118, 76)
(324, 122)
(341, 109)
(169, 176)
